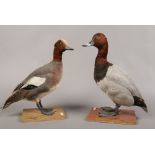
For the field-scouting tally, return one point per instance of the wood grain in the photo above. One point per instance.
(34, 115)
(126, 117)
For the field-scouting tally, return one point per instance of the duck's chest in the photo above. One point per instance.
(100, 71)
(56, 74)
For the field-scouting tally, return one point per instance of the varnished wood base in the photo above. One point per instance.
(125, 117)
(34, 115)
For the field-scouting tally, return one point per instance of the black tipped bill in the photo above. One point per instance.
(69, 48)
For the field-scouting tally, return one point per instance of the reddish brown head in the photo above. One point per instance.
(60, 47)
(99, 40)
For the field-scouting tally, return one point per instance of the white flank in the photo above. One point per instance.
(36, 81)
(118, 86)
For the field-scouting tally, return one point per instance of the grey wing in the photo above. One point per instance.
(120, 77)
(25, 86)
(40, 72)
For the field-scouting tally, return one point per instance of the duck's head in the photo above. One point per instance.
(98, 40)
(62, 45)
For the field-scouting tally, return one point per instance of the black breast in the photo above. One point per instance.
(100, 71)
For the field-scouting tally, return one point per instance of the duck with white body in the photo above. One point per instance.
(112, 80)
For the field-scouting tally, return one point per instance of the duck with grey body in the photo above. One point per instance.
(42, 81)
(112, 80)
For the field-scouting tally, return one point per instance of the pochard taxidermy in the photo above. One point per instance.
(42, 81)
(112, 80)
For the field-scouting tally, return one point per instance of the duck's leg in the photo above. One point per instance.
(117, 109)
(43, 110)
(108, 111)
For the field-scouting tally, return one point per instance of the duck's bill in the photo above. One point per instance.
(69, 48)
(87, 45)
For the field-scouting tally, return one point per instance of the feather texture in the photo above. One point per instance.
(34, 81)
(118, 86)
(120, 77)
(38, 84)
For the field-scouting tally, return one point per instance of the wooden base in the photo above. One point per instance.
(34, 115)
(127, 117)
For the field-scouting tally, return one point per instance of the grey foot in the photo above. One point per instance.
(108, 111)
(47, 111)
(44, 110)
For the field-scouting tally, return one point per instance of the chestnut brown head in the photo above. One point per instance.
(62, 45)
(98, 40)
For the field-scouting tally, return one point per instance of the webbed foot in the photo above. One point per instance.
(108, 111)
(47, 111)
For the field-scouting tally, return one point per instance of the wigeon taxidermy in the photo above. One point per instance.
(42, 81)
(112, 80)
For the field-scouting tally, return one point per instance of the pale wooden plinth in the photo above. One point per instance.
(34, 115)
(127, 117)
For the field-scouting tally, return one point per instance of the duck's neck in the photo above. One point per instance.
(102, 54)
(57, 55)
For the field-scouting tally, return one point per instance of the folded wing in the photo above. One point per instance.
(119, 76)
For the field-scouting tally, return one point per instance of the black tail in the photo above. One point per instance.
(15, 97)
(140, 102)
(8, 102)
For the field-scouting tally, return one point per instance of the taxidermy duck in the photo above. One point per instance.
(112, 80)
(42, 81)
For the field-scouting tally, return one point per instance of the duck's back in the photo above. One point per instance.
(52, 67)
(49, 75)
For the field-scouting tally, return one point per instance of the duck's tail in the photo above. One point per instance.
(15, 97)
(140, 102)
